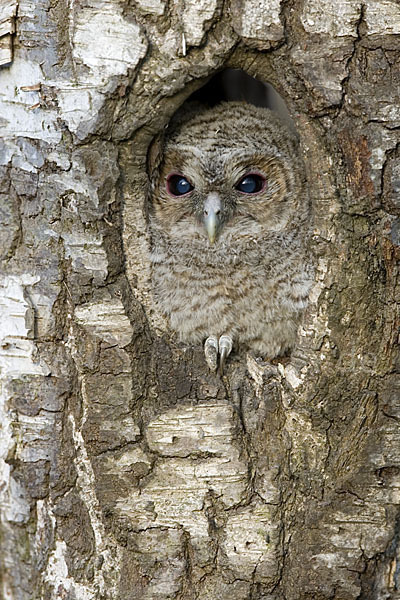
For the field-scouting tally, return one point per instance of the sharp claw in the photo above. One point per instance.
(225, 348)
(211, 352)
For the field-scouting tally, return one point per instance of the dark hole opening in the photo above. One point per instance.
(236, 85)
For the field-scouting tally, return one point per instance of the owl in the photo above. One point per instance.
(229, 219)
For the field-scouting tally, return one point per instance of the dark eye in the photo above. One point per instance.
(251, 184)
(178, 185)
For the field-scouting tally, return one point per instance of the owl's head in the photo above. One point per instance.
(230, 172)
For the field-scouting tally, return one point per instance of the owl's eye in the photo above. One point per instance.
(178, 185)
(251, 184)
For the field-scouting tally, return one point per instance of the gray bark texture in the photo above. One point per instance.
(128, 471)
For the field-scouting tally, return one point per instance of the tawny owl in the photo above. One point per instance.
(229, 219)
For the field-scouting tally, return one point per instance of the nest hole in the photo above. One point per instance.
(236, 85)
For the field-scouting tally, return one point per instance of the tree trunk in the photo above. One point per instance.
(129, 471)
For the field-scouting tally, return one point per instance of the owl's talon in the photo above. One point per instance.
(211, 352)
(225, 348)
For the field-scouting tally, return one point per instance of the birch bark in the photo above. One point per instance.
(128, 471)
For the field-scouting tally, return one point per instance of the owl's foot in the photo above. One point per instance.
(213, 346)
(211, 352)
(225, 348)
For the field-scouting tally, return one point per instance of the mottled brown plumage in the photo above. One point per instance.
(252, 282)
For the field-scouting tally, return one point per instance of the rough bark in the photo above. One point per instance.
(129, 471)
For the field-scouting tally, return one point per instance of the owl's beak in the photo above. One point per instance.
(211, 218)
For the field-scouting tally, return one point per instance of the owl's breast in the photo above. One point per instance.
(251, 289)
(213, 292)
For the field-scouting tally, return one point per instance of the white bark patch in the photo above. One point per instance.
(103, 45)
(8, 9)
(6, 445)
(191, 430)
(18, 118)
(14, 506)
(26, 156)
(171, 44)
(259, 371)
(382, 17)
(360, 530)
(131, 461)
(152, 7)
(250, 543)
(73, 182)
(380, 145)
(79, 107)
(16, 320)
(173, 496)
(124, 429)
(328, 559)
(57, 576)
(87, 253)
(17, 359)
(336, 19)
(106, 320)
(45, 524)
(105, 42)
(260, 20)
(17, 509)
(163, 547)
(38, 434)
(174, 493)
(196, 14)
(292, 376)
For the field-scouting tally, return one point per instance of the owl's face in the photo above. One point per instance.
(224, 176)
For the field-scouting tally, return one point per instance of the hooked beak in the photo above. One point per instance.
(212, 213)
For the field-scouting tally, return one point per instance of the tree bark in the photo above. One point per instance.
(128, 470)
